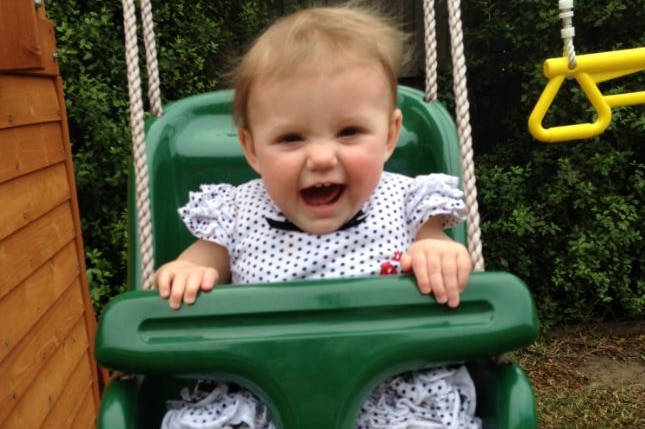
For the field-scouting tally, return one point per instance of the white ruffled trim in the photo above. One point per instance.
(210, 213)
(219, 409)
(436, 398)
(435, 195)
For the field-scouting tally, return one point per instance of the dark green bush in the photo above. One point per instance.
(566, 218)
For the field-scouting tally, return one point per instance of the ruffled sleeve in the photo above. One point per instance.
(210, 213)
(434, 195)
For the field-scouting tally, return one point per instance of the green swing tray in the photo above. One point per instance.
(314, 350)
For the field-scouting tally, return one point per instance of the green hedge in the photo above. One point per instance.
(566, 218)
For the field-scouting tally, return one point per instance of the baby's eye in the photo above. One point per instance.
(289, 138)
(349, 131)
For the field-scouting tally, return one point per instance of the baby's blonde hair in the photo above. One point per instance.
(310, 38)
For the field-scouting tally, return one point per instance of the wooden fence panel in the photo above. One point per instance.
(27, 250)
(27, 198)
(27, 363)
(31, 411)
(48, 377)
(27, 149)
(24, 50)
(24, 307)
(72, 406)
(28, 100)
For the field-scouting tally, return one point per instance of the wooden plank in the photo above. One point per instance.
(86, 418)
(30, 148)
(20, 44)
(32, 409)
(73, 403)
(26, 362)
(49, 64)
(29, 197)
(28, 249)
(26, 100)
(101, 376)
(34, 136)
(23, 307)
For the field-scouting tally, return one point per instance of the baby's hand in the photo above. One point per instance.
(179, 281)
(441, 267)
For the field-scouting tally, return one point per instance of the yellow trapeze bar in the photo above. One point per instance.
(590, 70)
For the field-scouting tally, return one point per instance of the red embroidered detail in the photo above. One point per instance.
(397, 255)
(387, 269)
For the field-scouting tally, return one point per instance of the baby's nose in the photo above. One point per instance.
(321, 155)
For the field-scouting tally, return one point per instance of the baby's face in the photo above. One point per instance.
(320, 141)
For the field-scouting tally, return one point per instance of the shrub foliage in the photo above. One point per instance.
(566, 218)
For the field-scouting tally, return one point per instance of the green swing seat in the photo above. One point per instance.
(312, 350)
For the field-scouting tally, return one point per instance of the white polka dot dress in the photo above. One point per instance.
(436, 398)
(213, 405)
(265, 247)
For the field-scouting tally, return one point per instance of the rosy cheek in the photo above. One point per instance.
(366, 163)
(281, 176)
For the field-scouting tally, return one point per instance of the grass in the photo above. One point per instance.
(589, 377)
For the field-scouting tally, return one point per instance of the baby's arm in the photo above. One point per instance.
(199, 267)
(440, 265)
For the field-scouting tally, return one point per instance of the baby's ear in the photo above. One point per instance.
(246, 141)
(393, 133)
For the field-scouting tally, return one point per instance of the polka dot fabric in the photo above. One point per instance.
(437, 398)
(212, 406)
(239, 218)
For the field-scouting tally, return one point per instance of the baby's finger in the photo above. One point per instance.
(406, 263)
(433, 265)
(464, 267)
(419, 267)
(193, 284)
(177, 291)
(163, 281)
(210, 278)
(451, 282)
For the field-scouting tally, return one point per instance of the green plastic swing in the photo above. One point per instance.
(311, 350)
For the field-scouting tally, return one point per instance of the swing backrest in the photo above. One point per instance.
(312, 350)
(195, 142)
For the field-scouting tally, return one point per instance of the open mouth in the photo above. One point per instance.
(322, 194)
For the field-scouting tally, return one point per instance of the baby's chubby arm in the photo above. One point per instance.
(202, 265)
(441, 266)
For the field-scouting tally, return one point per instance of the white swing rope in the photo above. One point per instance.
(462, 113)
(568, 31)
(430, 39)
(137, 122)
(152, 66)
